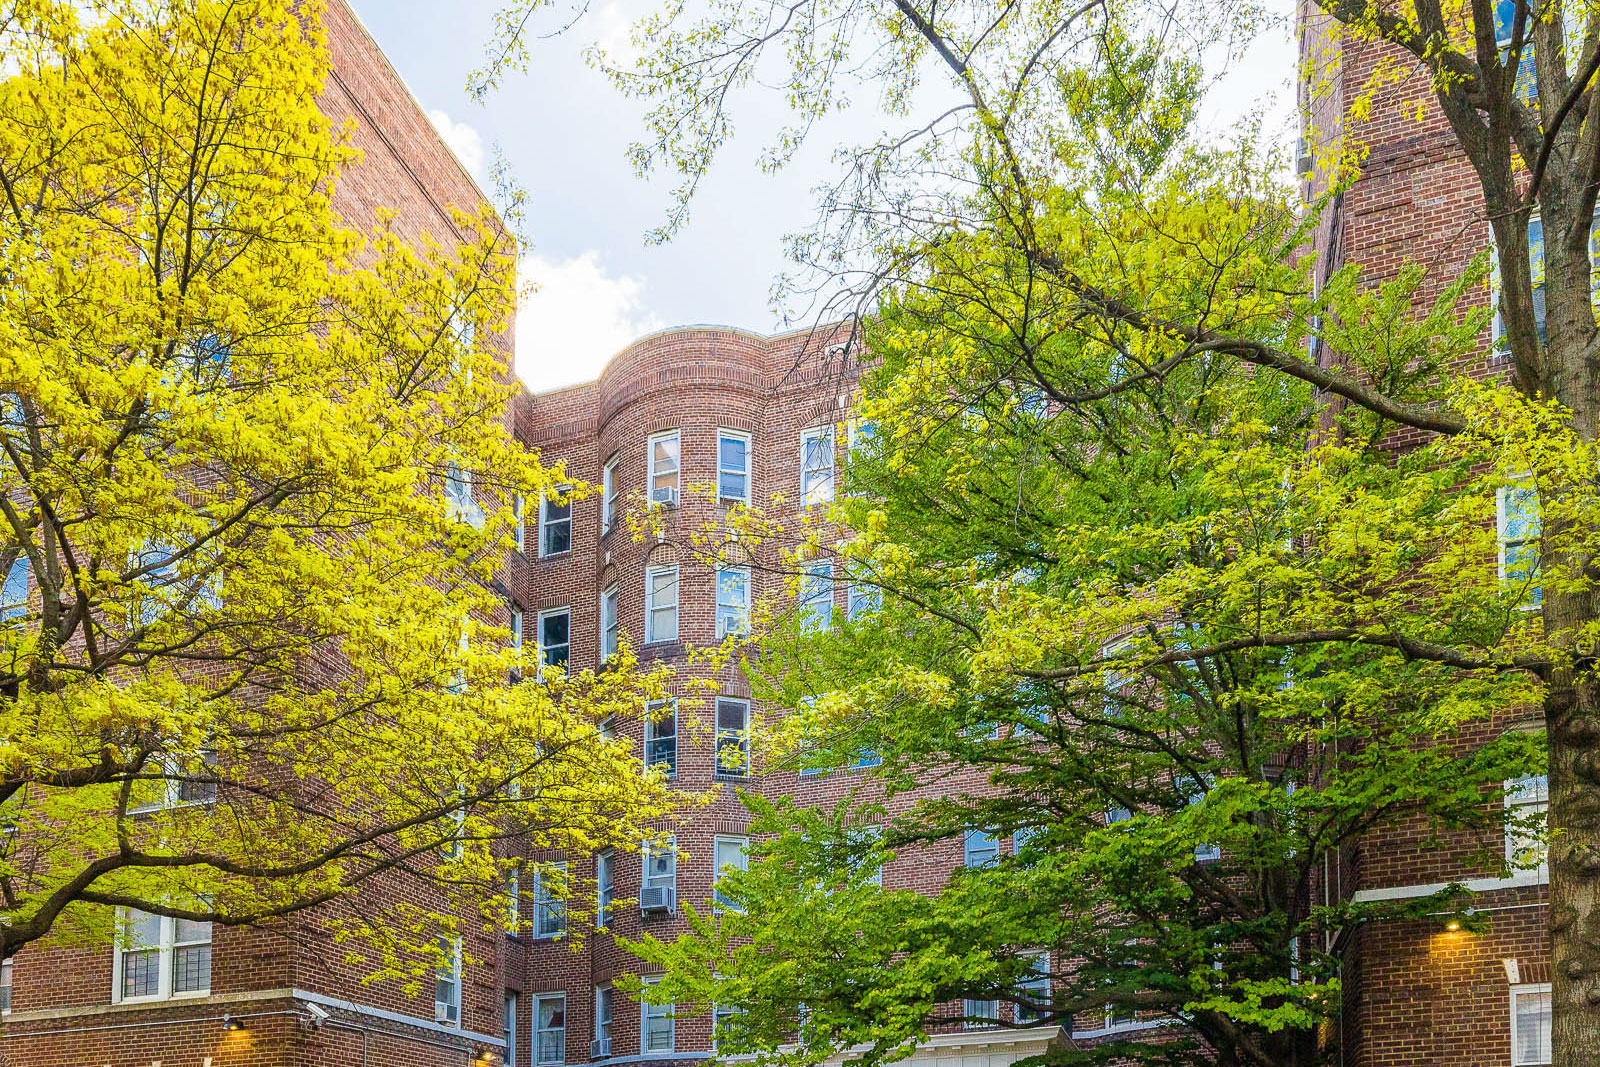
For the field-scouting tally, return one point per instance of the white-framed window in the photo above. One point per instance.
(1022, 836)
(183, 782)
(664, 457)
(608, 496)
(447, 981)
(661, 735)
(14, 594)
(555, 523)
(733, 738)
(1530, 1025)
(980, 1014)
(729, 854)
(862, 434)
(870, 836)
(158, 957)
(816, 465)
(603, 997)
(1116, 815)
(549, 902)
(508, 1032)
(861, 599)
(661, 604)
(513, 902)
(1517, 529)
(7, 971)
(722, 1016)
(1121, 1018)
(980, 848)
(605, 881)
(661, 867)
(516, 641)
(550, 1028)
(733, 601)
(1194, 792)
(816, 596)
(555, 637)
(733, 466)
(1527, 805)
(1035, 988)
(520, 522)
(655, 1024)
(610, 622)
(458, 489)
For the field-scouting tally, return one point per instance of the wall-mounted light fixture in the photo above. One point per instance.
(230, 1023)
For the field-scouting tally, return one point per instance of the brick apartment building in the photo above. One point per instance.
(288, 995)
(696, 418)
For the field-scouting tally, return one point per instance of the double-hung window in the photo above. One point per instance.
(660, 879)
(816, 596)
(508, 1033)
(733, 466)
(664, 467)
(610, 622)
(731, 854)
(733, 738)
(555, 523)
(516, 641)
(1194, 792)
(447, 981)
(602, 1020)
(656, 1025)
(550, 1028)
(7, 971)
(980, 1014)
(722, 1016)
(555, 637)
(1527, 803)
(863, 599)
(160, 957)
(1034, 988)
(549, 904)
(661, 735)
(519, 529)
(14, 595)
(661, 604)
(733, 601)
(816, 466)
(605, 876)
(1530, 1025)
(980, 848)
(608, 497)
(1517, 526)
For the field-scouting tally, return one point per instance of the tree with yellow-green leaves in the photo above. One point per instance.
(256, 485)
(1219, 549)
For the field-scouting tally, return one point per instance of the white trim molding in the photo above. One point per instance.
(1520, 880)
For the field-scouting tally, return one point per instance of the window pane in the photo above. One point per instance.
(733, 601)
(733, 468)
(1533, 1029)
(981, 848)
(555, 633)
(661, 866)
(191, 969)
(141, 973)
(664, 463)
(557, 527)
(733, 738)
(661, 740)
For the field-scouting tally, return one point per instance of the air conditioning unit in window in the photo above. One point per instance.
(449, 1014)
(667, 495)
(656, 900)
(1302, 156)
(599, 1048)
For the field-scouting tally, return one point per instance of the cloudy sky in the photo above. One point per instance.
(564, 130)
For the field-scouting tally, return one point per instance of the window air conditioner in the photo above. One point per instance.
(1302, 156)
(599, 1048)
(667, 495)
(655, 899)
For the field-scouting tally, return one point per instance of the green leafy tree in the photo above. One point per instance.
(255, 481)
(1041, 179)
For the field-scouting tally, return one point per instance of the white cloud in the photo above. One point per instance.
(579, 318)
(463, 140)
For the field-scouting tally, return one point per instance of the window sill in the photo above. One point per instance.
(555, 555)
